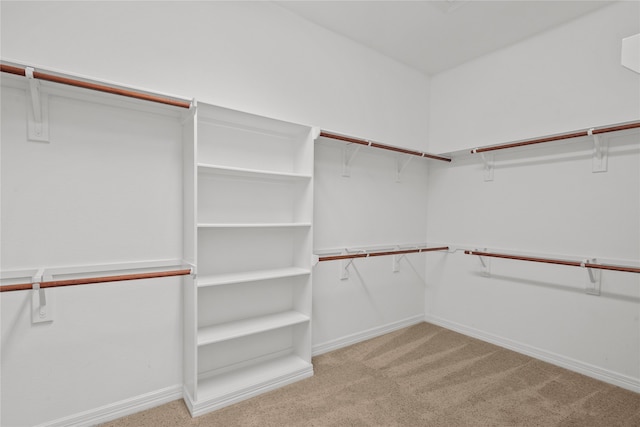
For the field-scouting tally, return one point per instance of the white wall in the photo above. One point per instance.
(368, 209)
(105, 189)
(251, 56)
(543, 200)
(569, 78)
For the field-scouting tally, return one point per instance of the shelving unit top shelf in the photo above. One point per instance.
(247, 172)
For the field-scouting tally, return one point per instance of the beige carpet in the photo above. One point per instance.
(423, 375)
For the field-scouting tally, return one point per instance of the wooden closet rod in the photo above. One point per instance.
(20, 71)
(557, 261)
(575, 134)
(383, 146)
(382, 253)
(93, 280)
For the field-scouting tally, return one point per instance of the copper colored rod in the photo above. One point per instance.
(557, 261)
(92, 280)
(614, 267)
(372, 254)
(383, 146)
(570, 135)
(12, 70)
(94, 86)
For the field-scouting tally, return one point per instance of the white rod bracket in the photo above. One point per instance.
(344, 268)
(348, 154)
(600, 152)
(41, 304)
(595, 278)
(190, 113)
(486, 263)
(400, 165)
(194, 269)
(38, 114)
(487, 160)
(396, 263)
(315, 133)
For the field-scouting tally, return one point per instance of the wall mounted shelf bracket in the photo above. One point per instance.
(41, 304)
(595, 277)
(487, 160)
(396, 262)
(400, 165)
(345, 263)
(38, 114)
(486, 263)
(348, 154)
(344, 268)
(600, 152)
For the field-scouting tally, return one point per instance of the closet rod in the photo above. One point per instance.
(575, 134)
(21, 71)
(383, 146)
(557, 261)
(382, 253)
(93, 280)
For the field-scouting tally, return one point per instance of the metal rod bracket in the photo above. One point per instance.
(344, 268)
(400, 165)
(593, 285)
(348, 154)
(487, 160)
(395, 267)
(38, 114)
(486, 263)
(600, 152)
(41, 304)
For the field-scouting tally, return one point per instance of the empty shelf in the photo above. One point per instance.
(278, 370)
(257, 173)
(251, 276)
(256, 225)
(241, 328)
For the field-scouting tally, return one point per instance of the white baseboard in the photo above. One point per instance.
(592, 371)
(365, 335)
(205, 406)
(119, 409)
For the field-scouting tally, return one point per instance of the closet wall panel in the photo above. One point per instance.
(106, 188)
(368, 209)
(543, 200)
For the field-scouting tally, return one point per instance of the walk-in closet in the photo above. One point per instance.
(319, 213)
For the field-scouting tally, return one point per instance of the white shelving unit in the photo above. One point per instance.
(248, 230)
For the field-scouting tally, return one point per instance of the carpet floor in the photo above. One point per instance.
(423, 375)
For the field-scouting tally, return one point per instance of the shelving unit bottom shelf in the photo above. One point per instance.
(218, 391)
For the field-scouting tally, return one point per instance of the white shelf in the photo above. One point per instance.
(226, 331)
(252, 377)
(247, 220)
(251, 276)
(256, 225)
(257, 173)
